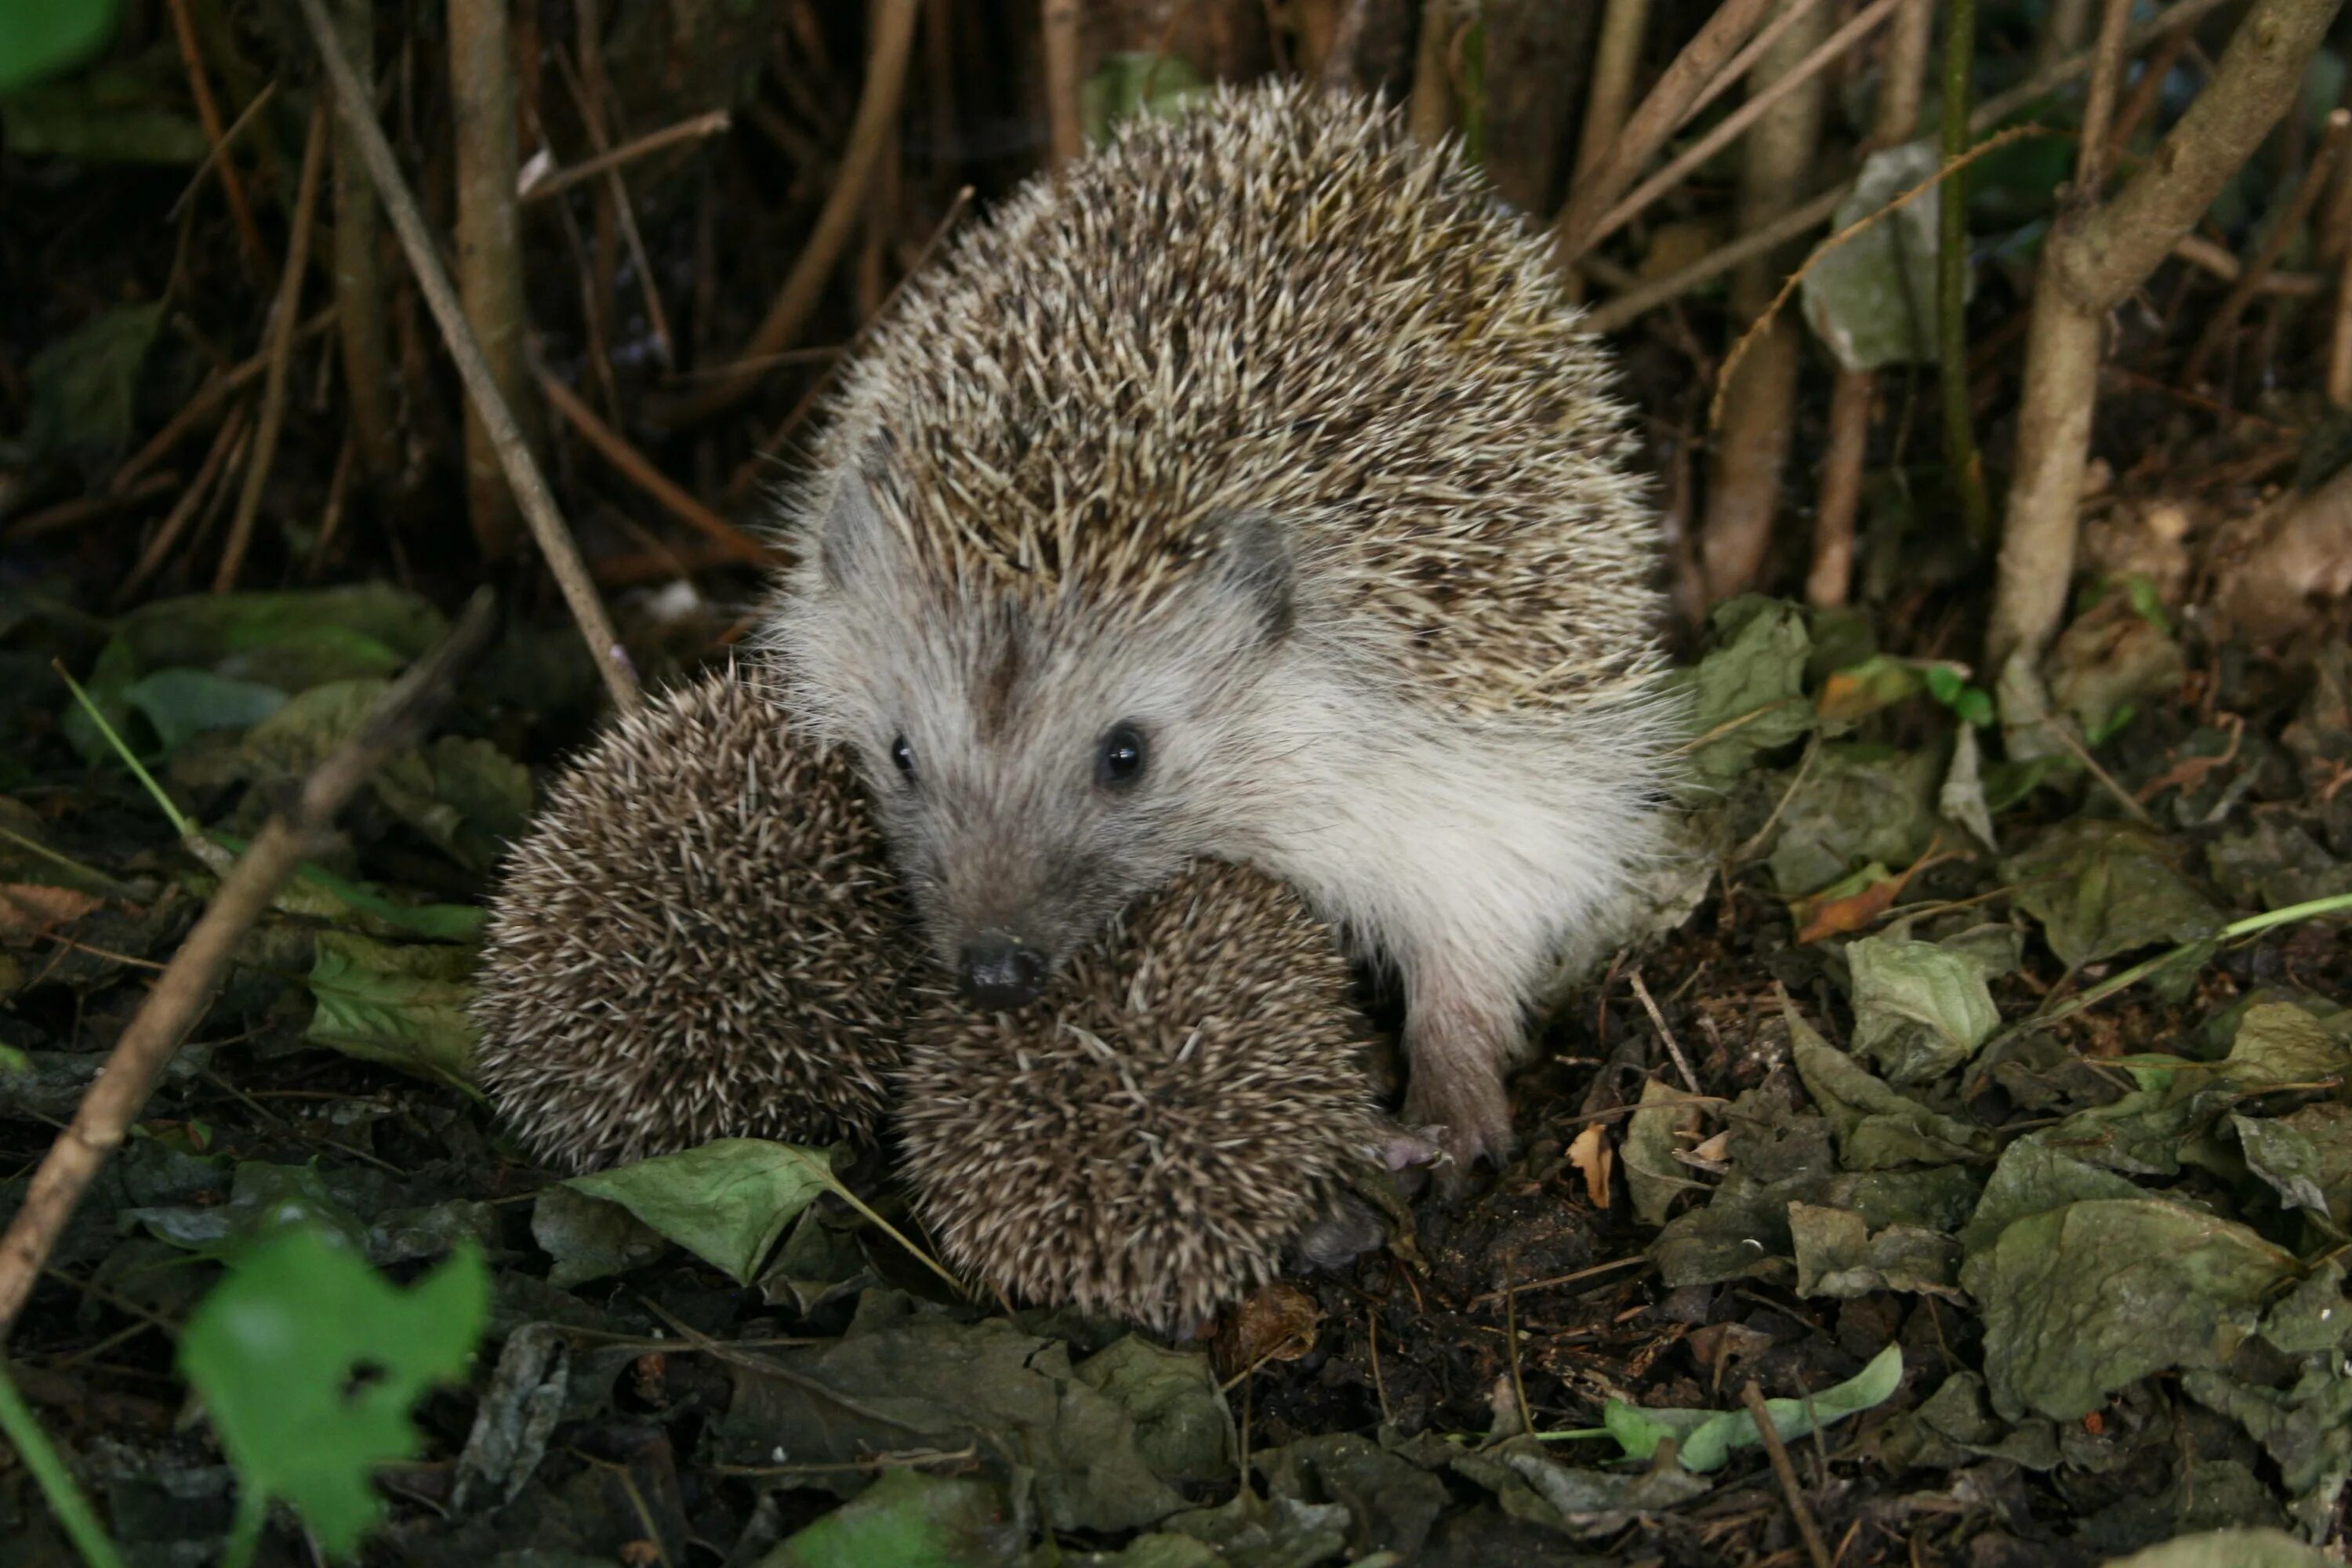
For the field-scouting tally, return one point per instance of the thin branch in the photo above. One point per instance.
(1057, 24)
(523, 471)
(1963, 468)
(1777, 1452)
(2257, 271)
(200, 88)
(1605, 178)
(2099, 105)
(490, 250)
(189, 982)
(359, 289)
(616, 191)
(227, 445)
(1736, 122)
(562, 180)
(634, 467)
(1635, 303)
(210, 399)
(2042, 84)
(281, 353)
(893, 23)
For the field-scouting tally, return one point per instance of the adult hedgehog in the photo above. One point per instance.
(1245, 489)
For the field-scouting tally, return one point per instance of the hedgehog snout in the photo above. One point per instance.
(999, 971)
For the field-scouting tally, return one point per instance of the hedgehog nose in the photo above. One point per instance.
(1002, 973)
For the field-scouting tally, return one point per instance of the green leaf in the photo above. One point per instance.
(1748, 695)
(1876, 1127)
(43, 38)
(907, 1520)
(1838, 1257)
(1183, 1428)
(1653, 1177)
(1705, 1438)
(2081, 1300)
(1131, 84)
(1919, 1010)
(404, 1005)
(2101, 888)
(725, 1202)
(1860, 803)
(1872, 301)
(2227, 1549)
(2285, 1159)
(182, 703)
(307, 1363)
(84, 383)
(115, 112)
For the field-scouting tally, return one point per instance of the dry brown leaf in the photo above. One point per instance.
(1591, 1154)
(1277, 1323)
(26, 907)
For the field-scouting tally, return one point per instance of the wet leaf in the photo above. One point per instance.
(1919, 1010)
(1653, 1176)
(727, 1202)
(42, 38)
(1577, 1500)
(2306, 1427)
(2278, 1043)
(1706, 1438)
(274, 1351)
(2273, 863)
(2285, 1159)
(401, 1005)
(264, 1199)
(517, 1415)
(2227, 1549)
(85, 383)
(2101, 888)
(182, 703)
(818, 1264)
(2081, 1300)
(1952, 1425)
(1877, 1126)
(590, 1238)
(908, 1520)
(1748, 695)
(1962, 797)
(1391, 1503)
(1872, 301)
(1837, 1256)
(2109, 660)
(463, 793)
(1860, 803)
(1183, 1428)
(1270, 1533)
(2034, 1177)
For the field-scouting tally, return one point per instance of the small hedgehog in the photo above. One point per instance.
(1186, 1106)
(700, 938)
(1246, 490)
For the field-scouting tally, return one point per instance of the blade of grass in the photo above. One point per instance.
(56, 1483)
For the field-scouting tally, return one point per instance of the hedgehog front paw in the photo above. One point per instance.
(1470, 1119)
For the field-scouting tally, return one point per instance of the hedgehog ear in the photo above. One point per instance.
(855, 539)
(1253, 557)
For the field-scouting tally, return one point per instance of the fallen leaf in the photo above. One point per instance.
(727, 1202)
(28, 908)
(1591, 1155)
(1276, 1323)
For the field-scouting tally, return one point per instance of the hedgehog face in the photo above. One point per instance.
(1037, 757)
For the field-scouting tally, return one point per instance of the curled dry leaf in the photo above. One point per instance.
(1277, 1323)
(1591, 1154)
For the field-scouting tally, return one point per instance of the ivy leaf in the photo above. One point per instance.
(308, 1361)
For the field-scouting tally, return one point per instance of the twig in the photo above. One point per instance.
(2091, 157)
(226, 447)
(1744, 60)
(2339, 337)
(359, 302)
(1777, 1452)
(2203, 254)
(1616, 57)
(213, 159)
(1555, 1281)
(330, 522)
(209, 400)
(1511, 1343)
(2274, 245)
(892, 24)
(608, 159)
(1989, 144)
(2081, 755)
(1604, 178)
(2042, 84)
(1057, 24)
(523, 471)
(1628, 307)
(172, 1009)
(1658, 1021)
(617, 192)
(281, 354)
(490, 250)
(88, 508)
(200, 88)
(634, 467)
(1963, 468)
(1736, 122)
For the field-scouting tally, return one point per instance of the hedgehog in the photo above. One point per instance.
(1246, 490)
(1185, 1112)
(700, 937)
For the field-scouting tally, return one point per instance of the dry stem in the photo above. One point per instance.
(1752, 437)
(200, 88)
(2257, 271)
(1430, 111)
(1963, 468)
(489, 249)
(523, 471)
(2099, 104)
(187, 985)
(2094, 258)
(1602, 180)
(892, 24)
(1064, 130)
(359, 302)
(1777, 1452)
(611, 158)
(634, 467)
(280, 350)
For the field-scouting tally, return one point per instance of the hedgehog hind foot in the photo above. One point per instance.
(1468, 1114)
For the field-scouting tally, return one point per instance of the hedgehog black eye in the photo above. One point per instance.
(902, 756)
(1123, 756)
